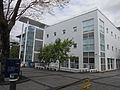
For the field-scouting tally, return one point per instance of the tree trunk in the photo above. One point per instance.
(4, 39)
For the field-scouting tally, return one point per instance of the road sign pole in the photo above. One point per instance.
(12, 85)
(13, 80)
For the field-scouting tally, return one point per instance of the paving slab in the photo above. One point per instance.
(98, 86)
(81, 76)
(111, 81)
(4, 87)
(94, 86)
(49, 80)
(55, 80)
(30, 85)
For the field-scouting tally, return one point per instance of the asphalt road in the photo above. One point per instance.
(51, 80)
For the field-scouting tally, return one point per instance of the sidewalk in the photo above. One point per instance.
(50, 80)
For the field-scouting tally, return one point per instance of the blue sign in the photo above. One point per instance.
(12, 67)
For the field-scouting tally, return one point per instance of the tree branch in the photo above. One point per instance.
(1, 9)
(23, 11)
(8, 8)
(15, 12)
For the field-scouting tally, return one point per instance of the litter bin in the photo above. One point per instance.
(12, 71)
(12, 67)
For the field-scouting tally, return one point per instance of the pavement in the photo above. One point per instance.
(51, 80)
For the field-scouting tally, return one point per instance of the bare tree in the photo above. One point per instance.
(11, 10)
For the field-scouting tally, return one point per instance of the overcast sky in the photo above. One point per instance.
(110, 8)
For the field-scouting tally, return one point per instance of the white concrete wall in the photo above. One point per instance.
(76, 36)
(110, 39)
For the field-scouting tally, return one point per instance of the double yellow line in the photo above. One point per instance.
(86, 83)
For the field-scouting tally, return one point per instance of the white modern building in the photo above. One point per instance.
(31, 39)
(97, 41)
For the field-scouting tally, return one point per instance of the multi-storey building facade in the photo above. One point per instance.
(31, 39)
(97, 41)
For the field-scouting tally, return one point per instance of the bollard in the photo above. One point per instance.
(12, 85)
(13, 80)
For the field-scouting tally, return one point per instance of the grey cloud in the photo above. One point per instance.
(114, 8)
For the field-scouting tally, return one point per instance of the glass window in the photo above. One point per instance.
(29, 49)
(101, 26)
(102, 54)
(107, 46)
(116, 49)
(85, 60)
(89, 47)
(39, 33)
(85, 54)
(102, 42)
(115, 36)
(47, 35)
(54, 33)
(85, 65)
(36, 57)
(91, 54)
(88, 35)
(85, 48)
(88, 28)
(91, 35)
(110, 63)
(88, 22)
(74, 62)
(75, 28)
(111, 33)
(107, 30)
(88, 25)
(85, 36)
(88, 41)
(118, 63)
(75, 45)
(102, 37)
(112, 48)
(103, 64)
(91, 60)
(31, 29)
(102, 60)
(102, 47)
(64, 31)
(65, 63)
(88, 60)
(38, 45)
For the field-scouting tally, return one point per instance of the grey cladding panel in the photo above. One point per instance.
(38, 45)
(32, 22)
(37, 23)
(39, 34)
(36, 57)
